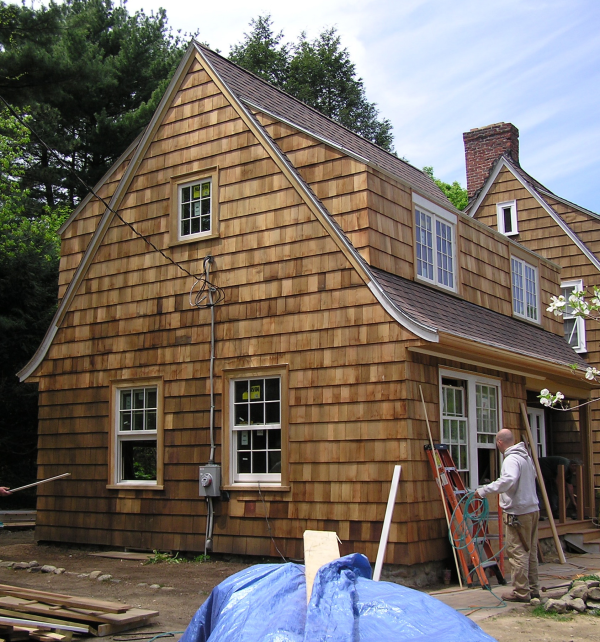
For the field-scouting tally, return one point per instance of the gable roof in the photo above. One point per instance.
(460, 318)
(258, 94)
(539, 192)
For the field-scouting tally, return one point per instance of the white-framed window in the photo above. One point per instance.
(435, 243)
(537, 423)
(137, 456)
(507, 218)
(574, 326)
(525, 290)
(195, 208)
(256, 429)
(470, 413)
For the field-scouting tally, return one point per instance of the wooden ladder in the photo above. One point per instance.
(473, 547)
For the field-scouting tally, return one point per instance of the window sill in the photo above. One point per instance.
(254, 488)
(193, 239)
(533, 322)
(134, 487)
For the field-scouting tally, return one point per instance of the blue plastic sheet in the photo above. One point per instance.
(267, 603)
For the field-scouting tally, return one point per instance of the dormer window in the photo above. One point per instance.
(435, 243)
(525, 290)
(574, 326)
(507, 218)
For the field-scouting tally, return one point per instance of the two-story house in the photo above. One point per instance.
(350, 283)
(503, 196)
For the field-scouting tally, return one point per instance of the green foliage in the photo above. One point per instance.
(319, 72)
(539, 611)
(200, 559)
(167, 558)
(456, 194)
(92, 76)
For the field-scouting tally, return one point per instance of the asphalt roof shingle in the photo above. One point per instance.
(460, 318)
(251, 89)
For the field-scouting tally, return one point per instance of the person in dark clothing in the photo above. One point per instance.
(549, 467)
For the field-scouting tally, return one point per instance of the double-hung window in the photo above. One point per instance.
(256, 426)
(525, 290)
(507, 218)
(574, 326)
(435, 231)
(194, 206)
(470, 409)
(136, 457)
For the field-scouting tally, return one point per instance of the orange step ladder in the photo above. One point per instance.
(472, 544)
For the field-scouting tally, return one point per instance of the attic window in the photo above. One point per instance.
(574, 326)
(194, 206)
(195, 210)
(507, 218)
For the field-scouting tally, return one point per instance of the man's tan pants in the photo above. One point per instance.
(524, 563)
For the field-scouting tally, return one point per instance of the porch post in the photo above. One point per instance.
(585, 430)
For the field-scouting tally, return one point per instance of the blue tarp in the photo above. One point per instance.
(267, 603)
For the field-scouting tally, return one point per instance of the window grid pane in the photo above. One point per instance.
(195, 208)
(487, 413)
(517, 280)
(454, 425)
(444, 254)
(257, 426)
(424, 245)
(574, 326)
(137, 409)
(530, 289)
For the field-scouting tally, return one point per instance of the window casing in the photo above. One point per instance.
(194, 207)
(136, 456)
(470, 413)
(435, 245)
(525, 290)
(574, 326)
(255, 432)
(507, 218)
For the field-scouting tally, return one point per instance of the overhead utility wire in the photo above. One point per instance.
(199, 279)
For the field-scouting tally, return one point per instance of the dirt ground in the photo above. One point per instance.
(184, 587)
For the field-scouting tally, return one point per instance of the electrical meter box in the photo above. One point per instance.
(210, 480)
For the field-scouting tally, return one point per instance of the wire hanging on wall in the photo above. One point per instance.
(205, 294)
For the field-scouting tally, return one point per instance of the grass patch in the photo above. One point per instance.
(159, 558)
(585, 578)
(539, 611)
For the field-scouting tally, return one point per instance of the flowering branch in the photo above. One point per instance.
(577, 306)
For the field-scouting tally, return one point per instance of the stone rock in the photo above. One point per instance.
(167, 588)
(154, 586)
(143, 584)
(544, 599)
(555, 606)
(20, 565)
(104, 578)
(83, 575)
(34, 569)
(59, 571)
(115, 581)
(535, 601)
(6, 564)
(593, 605)
(594, 593)
(579, 592)
(94, 575)
(33, 564)
(47, 568)
(592, 583)
(577, 605)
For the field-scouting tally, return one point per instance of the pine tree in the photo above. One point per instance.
(318, 72)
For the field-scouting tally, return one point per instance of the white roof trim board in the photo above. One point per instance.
(540, 199)
(419, 329)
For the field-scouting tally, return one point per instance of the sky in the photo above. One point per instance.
(437, 68)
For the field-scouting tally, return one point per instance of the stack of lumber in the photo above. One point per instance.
(34, 614)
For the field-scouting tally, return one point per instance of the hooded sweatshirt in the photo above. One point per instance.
(516, 483)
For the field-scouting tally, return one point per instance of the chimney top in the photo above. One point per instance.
(483, 147)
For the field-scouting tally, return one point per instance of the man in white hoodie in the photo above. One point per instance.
(518, 499)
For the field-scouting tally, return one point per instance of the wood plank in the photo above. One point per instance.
(63, 600)
(320, 548)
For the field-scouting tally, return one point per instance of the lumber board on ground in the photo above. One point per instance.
(55, 623)
(24, 606)
(63, 600)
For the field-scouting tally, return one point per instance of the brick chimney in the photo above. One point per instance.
(483, 146)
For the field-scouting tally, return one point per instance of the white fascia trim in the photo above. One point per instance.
(421, 330)
(106, 220)
(556, 217)
(434, 208)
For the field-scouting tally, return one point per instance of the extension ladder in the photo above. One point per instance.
(473, 548)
